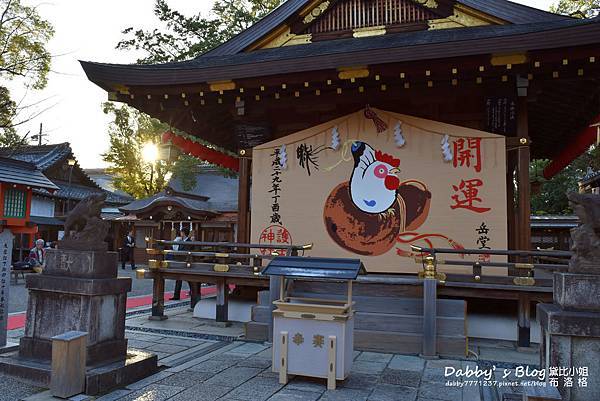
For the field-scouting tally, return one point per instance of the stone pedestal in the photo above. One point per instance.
(571, 332)
(79, 291)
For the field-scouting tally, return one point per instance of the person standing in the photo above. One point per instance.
(128, 250)
(38, 256)
(184, 236)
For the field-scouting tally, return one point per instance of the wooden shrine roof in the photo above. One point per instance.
(508, 11)
(390, 48)
(252, 88)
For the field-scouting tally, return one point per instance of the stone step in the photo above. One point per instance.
(260, 314)
(257, 331)
(263, 298)
(548, 393)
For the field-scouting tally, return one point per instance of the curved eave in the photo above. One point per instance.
(141, 207)
(391, 48)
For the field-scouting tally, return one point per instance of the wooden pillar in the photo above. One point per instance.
(243, 234)
(523, 188)
(524, 325)
(158, 298)
(222, 306)
(195, 293)
(429, 347)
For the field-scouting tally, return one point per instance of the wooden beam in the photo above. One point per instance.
(523, 189)
(243, 234)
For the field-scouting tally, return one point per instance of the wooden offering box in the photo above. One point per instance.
(313, 337)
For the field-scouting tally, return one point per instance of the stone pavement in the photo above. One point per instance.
(213, 364)
(207, 370)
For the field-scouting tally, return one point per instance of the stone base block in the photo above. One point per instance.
(9, 347)
(81, 264)
(571, 291)
(571, 339)
(101, 352)
(99, 378)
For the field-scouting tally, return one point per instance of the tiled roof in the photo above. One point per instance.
(106, 181)
(389, 48)
(512, 12)
(502, 9)
(554, 221)
(23, 173)
(79, 192)
(44, 156)
(221, 191)
(213, 193)
(165, 199)
(590, 178)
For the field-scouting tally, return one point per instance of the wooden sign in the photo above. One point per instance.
(6, 244)
(371, 184)
(501, 115)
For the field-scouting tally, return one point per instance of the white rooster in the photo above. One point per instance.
(374, 182)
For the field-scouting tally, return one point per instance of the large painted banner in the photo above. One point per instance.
(373, 183)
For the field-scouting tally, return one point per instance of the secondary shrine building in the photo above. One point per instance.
(368, 126)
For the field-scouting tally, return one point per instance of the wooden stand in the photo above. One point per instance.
(313, 337)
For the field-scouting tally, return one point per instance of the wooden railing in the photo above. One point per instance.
(218, 255)
(526, 268)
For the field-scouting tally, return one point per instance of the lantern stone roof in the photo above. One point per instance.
(23, 173)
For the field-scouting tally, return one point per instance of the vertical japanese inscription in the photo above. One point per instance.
(275, 188)
(6, 242)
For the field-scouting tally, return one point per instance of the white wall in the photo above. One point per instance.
(41, 206)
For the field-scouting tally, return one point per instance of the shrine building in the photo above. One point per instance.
(368, 127)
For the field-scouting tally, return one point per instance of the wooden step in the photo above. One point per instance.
(401, 306)
(360, 289)
(454, 326)
(406, 343)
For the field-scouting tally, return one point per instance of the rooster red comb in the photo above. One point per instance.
(389, 159)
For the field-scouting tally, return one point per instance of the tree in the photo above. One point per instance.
(552, 198)
(129, 132)
(184, 37)
(23, 55)
(577, 8)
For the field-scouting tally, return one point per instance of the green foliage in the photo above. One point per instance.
(184, 37)
(552, 198)
(23, 39)
(577, 8)
(129, 131)
(8, 111)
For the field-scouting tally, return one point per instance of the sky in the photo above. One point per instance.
(89, 30)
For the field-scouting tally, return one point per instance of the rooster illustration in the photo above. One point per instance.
(366, 214)
(374, 182)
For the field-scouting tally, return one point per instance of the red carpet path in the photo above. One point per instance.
(17, 320)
